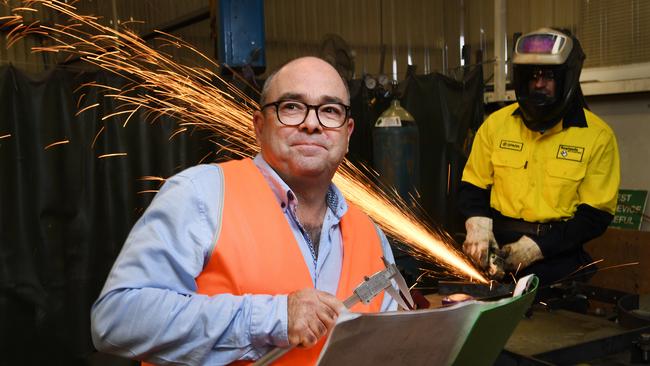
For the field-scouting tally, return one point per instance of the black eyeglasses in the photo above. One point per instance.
(294, 113)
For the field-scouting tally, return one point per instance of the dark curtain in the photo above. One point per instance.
(65, 212)
(446, 111)
(367, 105)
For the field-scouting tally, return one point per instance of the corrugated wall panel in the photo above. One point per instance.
(295, 28)
(612, 31)
(615, 31)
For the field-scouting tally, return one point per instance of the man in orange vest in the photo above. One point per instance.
(234, 259)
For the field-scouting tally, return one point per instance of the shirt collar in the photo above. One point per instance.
(285, 196)
(574, 117)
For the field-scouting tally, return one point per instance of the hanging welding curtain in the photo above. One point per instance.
(65, 210)
(366, 108)
(446, 111)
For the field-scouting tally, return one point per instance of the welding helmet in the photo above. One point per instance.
(552, 54)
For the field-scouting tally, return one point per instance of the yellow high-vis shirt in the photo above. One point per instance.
(541, 177)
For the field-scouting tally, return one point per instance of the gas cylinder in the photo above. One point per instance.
(396, 150)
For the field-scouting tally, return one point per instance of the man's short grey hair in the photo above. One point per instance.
(269, 80)
(265, 88)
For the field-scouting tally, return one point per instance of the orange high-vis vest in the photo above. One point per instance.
(257, 253)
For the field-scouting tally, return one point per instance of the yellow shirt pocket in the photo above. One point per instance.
(562, 180)
(510, 181)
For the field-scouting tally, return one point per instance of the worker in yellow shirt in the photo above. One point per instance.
(543, 174)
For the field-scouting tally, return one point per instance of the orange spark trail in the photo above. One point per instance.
(202, 99)
(180, 130)
(620, 266)
(97, 136)
(62, 142)
(110, 155)
(395, 218)
(570, 275)
(152, 178)
(86, 108)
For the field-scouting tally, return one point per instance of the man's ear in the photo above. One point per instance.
(350, 128)
(258, 125)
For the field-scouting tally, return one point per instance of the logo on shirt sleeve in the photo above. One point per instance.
(511, 145)
(567, 152)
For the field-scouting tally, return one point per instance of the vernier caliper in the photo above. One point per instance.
(365, 292)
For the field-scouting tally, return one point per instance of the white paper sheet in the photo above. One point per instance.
(420, 337)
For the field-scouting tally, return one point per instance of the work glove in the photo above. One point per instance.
(479, 240)
(521, 254)
(496, 264)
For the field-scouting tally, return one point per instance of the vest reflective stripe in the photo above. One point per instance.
(256, 252)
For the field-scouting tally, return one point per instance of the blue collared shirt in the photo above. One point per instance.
(149, 308)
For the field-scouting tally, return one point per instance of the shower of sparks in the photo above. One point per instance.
(577, 274)
(396, 218)
(202, 99)
(62, 142)
(110, 155)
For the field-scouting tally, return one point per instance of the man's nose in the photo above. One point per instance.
(540, 82)
(311, 123)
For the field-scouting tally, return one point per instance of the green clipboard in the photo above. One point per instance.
(493, 327)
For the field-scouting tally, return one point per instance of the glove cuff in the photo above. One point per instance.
(533, 247)
(478, 223)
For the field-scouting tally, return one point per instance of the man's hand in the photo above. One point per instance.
(479, 239)
(311, 314)
(521, 254)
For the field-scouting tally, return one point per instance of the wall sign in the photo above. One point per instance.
(629, 209)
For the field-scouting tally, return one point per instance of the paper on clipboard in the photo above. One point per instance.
(443, 336)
